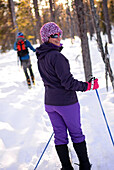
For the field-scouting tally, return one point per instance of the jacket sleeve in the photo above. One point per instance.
(15, 47)
(30, 46)
(62, 69)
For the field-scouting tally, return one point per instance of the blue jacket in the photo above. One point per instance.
(28, 44)
(60, 86)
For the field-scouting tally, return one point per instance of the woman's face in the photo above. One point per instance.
(55, 39)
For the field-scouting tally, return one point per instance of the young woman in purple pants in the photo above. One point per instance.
(61, 102)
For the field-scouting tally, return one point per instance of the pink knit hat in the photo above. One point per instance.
(50, 28)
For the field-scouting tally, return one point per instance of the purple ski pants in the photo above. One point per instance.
(65, 118)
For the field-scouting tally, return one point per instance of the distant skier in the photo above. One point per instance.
(21, 46)
(61, 101)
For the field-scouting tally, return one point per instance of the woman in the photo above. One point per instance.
(61, 102)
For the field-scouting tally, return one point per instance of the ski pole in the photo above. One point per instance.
(43, 151)
(105, 117)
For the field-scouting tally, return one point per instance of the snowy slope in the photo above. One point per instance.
(25, 127)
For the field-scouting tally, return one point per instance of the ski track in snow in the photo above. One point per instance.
(25, 127)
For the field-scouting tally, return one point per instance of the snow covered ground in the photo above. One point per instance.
(25, 127)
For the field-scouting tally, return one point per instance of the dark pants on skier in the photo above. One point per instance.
(65, 118)
(26, 64)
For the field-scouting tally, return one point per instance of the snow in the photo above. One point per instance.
(25, 127)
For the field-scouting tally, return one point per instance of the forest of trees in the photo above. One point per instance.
(28, 16)
(75, 18)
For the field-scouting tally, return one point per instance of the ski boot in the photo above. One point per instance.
(29, 83)
(33, 80)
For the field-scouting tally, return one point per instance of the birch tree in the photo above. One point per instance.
(89, 20)
(52, 11)
(100, 45)
(13, 18)
(38, 20)
(107, 22)
(70, 23)
(84, 39)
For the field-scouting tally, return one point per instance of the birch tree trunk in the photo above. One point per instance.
(106, 16)
(38, 20)
(71, 29)
(84, 39)
(13, 18)
(51, 11)
(100, 45)
(89, 20)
